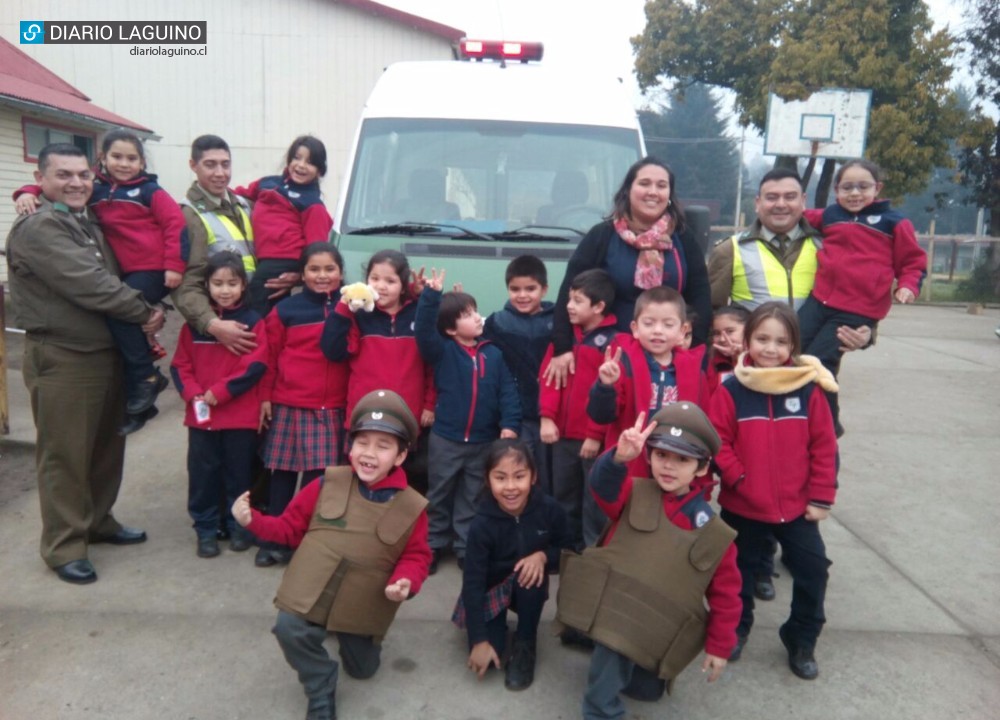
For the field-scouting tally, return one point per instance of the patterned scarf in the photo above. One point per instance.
(651, 246)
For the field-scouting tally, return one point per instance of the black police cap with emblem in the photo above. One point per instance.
(683, 428)
(385, 411)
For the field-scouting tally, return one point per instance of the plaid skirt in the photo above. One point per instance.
(497, 600)
(303, 439)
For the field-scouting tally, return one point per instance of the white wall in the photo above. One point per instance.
(275, 69)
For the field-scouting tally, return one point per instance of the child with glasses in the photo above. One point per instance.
(866, 247)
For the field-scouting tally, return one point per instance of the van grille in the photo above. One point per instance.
(485, 251)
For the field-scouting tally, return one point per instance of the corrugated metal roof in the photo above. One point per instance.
(24, 79)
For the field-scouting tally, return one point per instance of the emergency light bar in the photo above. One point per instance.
(499, 50)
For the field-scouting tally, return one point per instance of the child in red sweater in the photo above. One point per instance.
(303, 395)
(361, 539)
(576, 439)
(288, 214)
(778, 469)
(221, 393)
(143, 226)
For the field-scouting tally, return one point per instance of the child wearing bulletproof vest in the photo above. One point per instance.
(778, 468)
(641, 595)
(514, 542)
(361, 539)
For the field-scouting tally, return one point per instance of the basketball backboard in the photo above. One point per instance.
(830, 123)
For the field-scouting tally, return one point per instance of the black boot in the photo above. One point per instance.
(520, 670)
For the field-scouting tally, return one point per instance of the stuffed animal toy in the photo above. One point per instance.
(358, 295)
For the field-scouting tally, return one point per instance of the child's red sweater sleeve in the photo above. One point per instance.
(814, 216)
(316, 223)
(276, 333)
(722, 413)
(549, 397)
(724, 606)
(250, 192)
(908, 259)
(290, 527)
(170, 219)
(822, 450)
(35, 190)
(415, 560)
(182, 366)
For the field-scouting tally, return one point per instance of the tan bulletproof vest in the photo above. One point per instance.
(643, 594)
(337, 576)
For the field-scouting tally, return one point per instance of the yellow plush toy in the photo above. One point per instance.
(359, 295)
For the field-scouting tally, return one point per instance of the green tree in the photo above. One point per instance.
(794, 47)
(690, 135)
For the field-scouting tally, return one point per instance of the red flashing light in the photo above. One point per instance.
(500, 50)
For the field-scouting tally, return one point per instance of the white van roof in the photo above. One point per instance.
(486, 90)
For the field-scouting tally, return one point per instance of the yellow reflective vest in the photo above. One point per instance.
(759, 276)
(224, 234)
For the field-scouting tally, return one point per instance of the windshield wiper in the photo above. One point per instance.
(526, 232)
(421, 228)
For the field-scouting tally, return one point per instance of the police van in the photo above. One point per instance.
(467, 164)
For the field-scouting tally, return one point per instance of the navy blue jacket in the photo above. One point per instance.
(476, 398)
(498, 540)
(523, 340)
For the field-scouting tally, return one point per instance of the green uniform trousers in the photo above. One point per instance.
(78, 405)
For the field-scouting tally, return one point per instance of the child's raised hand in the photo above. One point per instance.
(418, 281)
(531, 570)
(713, 665)
(481, 657)
(27, 204)
(241, 509)
(815, 513)
(457, 287)
(548, 431)
(610, 370)
(172, 278)
(632, 440)
(590, 448)
(904, 295)
(436, 281)
(399, 590)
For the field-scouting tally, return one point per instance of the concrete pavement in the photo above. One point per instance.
(913, 616)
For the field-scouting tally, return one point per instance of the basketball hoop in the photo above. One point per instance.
(830, 123)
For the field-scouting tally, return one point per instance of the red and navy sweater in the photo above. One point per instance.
(202, 363)
(140, 220)
(567, 406)
(862, 254)
(611, 484)
(778, 451)
(286, 216)
(382, 351)
(291, 526)
(617, 406)
(298, 374)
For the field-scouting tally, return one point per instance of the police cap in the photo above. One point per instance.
(385, 411)
(683, 428)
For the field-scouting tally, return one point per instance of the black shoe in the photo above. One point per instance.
(572, 636)
(520, 670)
(435, 559)
(644, 686)
(323, 711)
(78, 572)
(741, 640)
(263, 558)
(125, 536)
(800, 657)
(763, 588)
(143, 396)
(282, 555)
(240, 540)
(208, 546)
(135, 423)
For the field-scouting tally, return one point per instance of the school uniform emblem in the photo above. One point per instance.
(873, 219)
(134, 193)
(601, 340)
(701, 518)
(793, 404)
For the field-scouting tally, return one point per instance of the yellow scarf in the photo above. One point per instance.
(784, 379)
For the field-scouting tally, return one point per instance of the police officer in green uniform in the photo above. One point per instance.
(64, 282)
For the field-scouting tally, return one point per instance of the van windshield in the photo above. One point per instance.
(486, 176)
